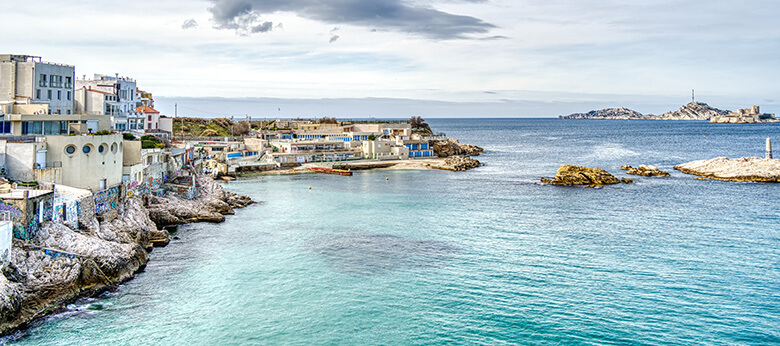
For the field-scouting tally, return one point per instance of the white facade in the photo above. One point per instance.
(88, 162)
(125, 91)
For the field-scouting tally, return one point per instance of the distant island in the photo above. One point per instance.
(691, 111)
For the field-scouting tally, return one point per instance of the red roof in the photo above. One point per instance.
(146, 109)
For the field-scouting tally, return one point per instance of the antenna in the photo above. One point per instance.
(693, 98)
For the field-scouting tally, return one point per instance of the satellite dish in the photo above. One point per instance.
(41, 111)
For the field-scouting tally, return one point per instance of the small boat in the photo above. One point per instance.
(331, 171)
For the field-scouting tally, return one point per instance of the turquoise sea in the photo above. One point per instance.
(484, 257)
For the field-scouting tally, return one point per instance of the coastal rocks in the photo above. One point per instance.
(61, 264)
(461, 163)
(645, 170)
(607, 113)
(578, 175)
(693, 111)
(213, 204)
(452, 147)
(743, 169)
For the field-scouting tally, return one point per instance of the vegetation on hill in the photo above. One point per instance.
(217, 127)
(151, 142)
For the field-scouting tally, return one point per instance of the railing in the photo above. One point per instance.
(23, 139)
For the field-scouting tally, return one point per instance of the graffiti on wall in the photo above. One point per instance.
(47, 210)
(15, 213)
(106, 200)
(59, 212)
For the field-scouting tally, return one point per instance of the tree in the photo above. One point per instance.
(418, 123)
(371, 137)
(242, 128)
(326, 120)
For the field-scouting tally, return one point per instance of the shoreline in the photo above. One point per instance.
(62, 264)
(360, 165)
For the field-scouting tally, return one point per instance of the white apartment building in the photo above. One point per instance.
(121, 106)
(28, 80)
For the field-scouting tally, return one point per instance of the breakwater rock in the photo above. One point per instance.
(578, 175)
(461, 163)
(645, 170)
(212, 205)
(743, 169)
(452, 147)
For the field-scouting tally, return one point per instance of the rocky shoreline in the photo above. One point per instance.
(746, 169)
(61, 264)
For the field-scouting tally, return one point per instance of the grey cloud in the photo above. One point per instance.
(396, 15)
(333, 38)
(265, 27)
(189, 24)
(238, 15)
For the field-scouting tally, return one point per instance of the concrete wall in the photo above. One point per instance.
(166, 124)
(132, 154)
(86, 170)
(20, 159)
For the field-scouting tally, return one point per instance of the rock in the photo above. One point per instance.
(452, 147)
(578, 175)
(61, 264)
(461, 163)
(743, 169)
(693, 111)
(607, 113)
(690, 111)
(645, 170)
(211, 206)
(626, 180)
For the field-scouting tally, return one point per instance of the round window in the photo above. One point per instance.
(70, 150)
(86, 149)
(113, 148)
(103, 148)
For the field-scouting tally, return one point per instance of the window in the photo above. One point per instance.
(49, 93)
(70, 150)
(42, 80)
(68, 97)
(37, 94)
(68, 82)
(59, 94)
(103, 148)
(86, 149)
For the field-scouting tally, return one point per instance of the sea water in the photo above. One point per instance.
(487, 256)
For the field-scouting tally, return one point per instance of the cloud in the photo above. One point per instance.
(394, 15)
(189, 24)
(265, 27)
(333, 38)
(238, 16)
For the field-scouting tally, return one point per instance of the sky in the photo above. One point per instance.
(397, 58)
